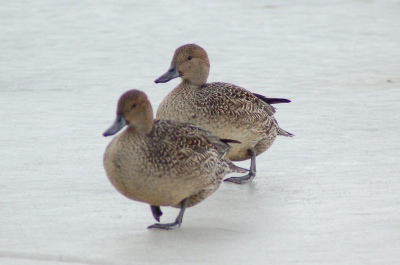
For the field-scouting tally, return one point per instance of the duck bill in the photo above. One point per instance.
(118, 124)
(169, 75)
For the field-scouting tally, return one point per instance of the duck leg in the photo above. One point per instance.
(156, 211)
(178, 220)
(252, 172)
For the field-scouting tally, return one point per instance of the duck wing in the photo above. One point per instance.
(233, 98)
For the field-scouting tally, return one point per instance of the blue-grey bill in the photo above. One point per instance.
(118, 124)
(169, 75)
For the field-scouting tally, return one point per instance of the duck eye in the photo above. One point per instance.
(190, 58)
(133, 106)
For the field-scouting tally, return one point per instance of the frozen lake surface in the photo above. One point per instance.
(330, 195)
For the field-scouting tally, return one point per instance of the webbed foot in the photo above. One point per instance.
(252, 171)
(241, 180)
(156, 211)
(169, 226)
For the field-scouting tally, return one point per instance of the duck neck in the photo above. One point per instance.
(144, 128)
(144, 122)
(198, 77)
(192, 83)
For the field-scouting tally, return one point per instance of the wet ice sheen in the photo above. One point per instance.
(327, 196)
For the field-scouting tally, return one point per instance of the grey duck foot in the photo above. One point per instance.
(252, 171)
(178, 221)
(168, 226)
(241, 180)
(156, 211)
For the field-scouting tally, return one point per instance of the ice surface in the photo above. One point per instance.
(330, 195)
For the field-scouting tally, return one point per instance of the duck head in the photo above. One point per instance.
(135, 111)
(190, 62)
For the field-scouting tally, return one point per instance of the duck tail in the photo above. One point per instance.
(230, 141)
(284, 133)
(236, 169)
(272, 100)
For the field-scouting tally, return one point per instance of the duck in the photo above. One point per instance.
(226, 110)
(163, 162)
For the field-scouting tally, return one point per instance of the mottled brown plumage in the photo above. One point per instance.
(162, 162)
(226, 110)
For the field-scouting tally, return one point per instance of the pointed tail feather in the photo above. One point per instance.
(237, 169)
(284, 133)
(230, 141)
(272, 100)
